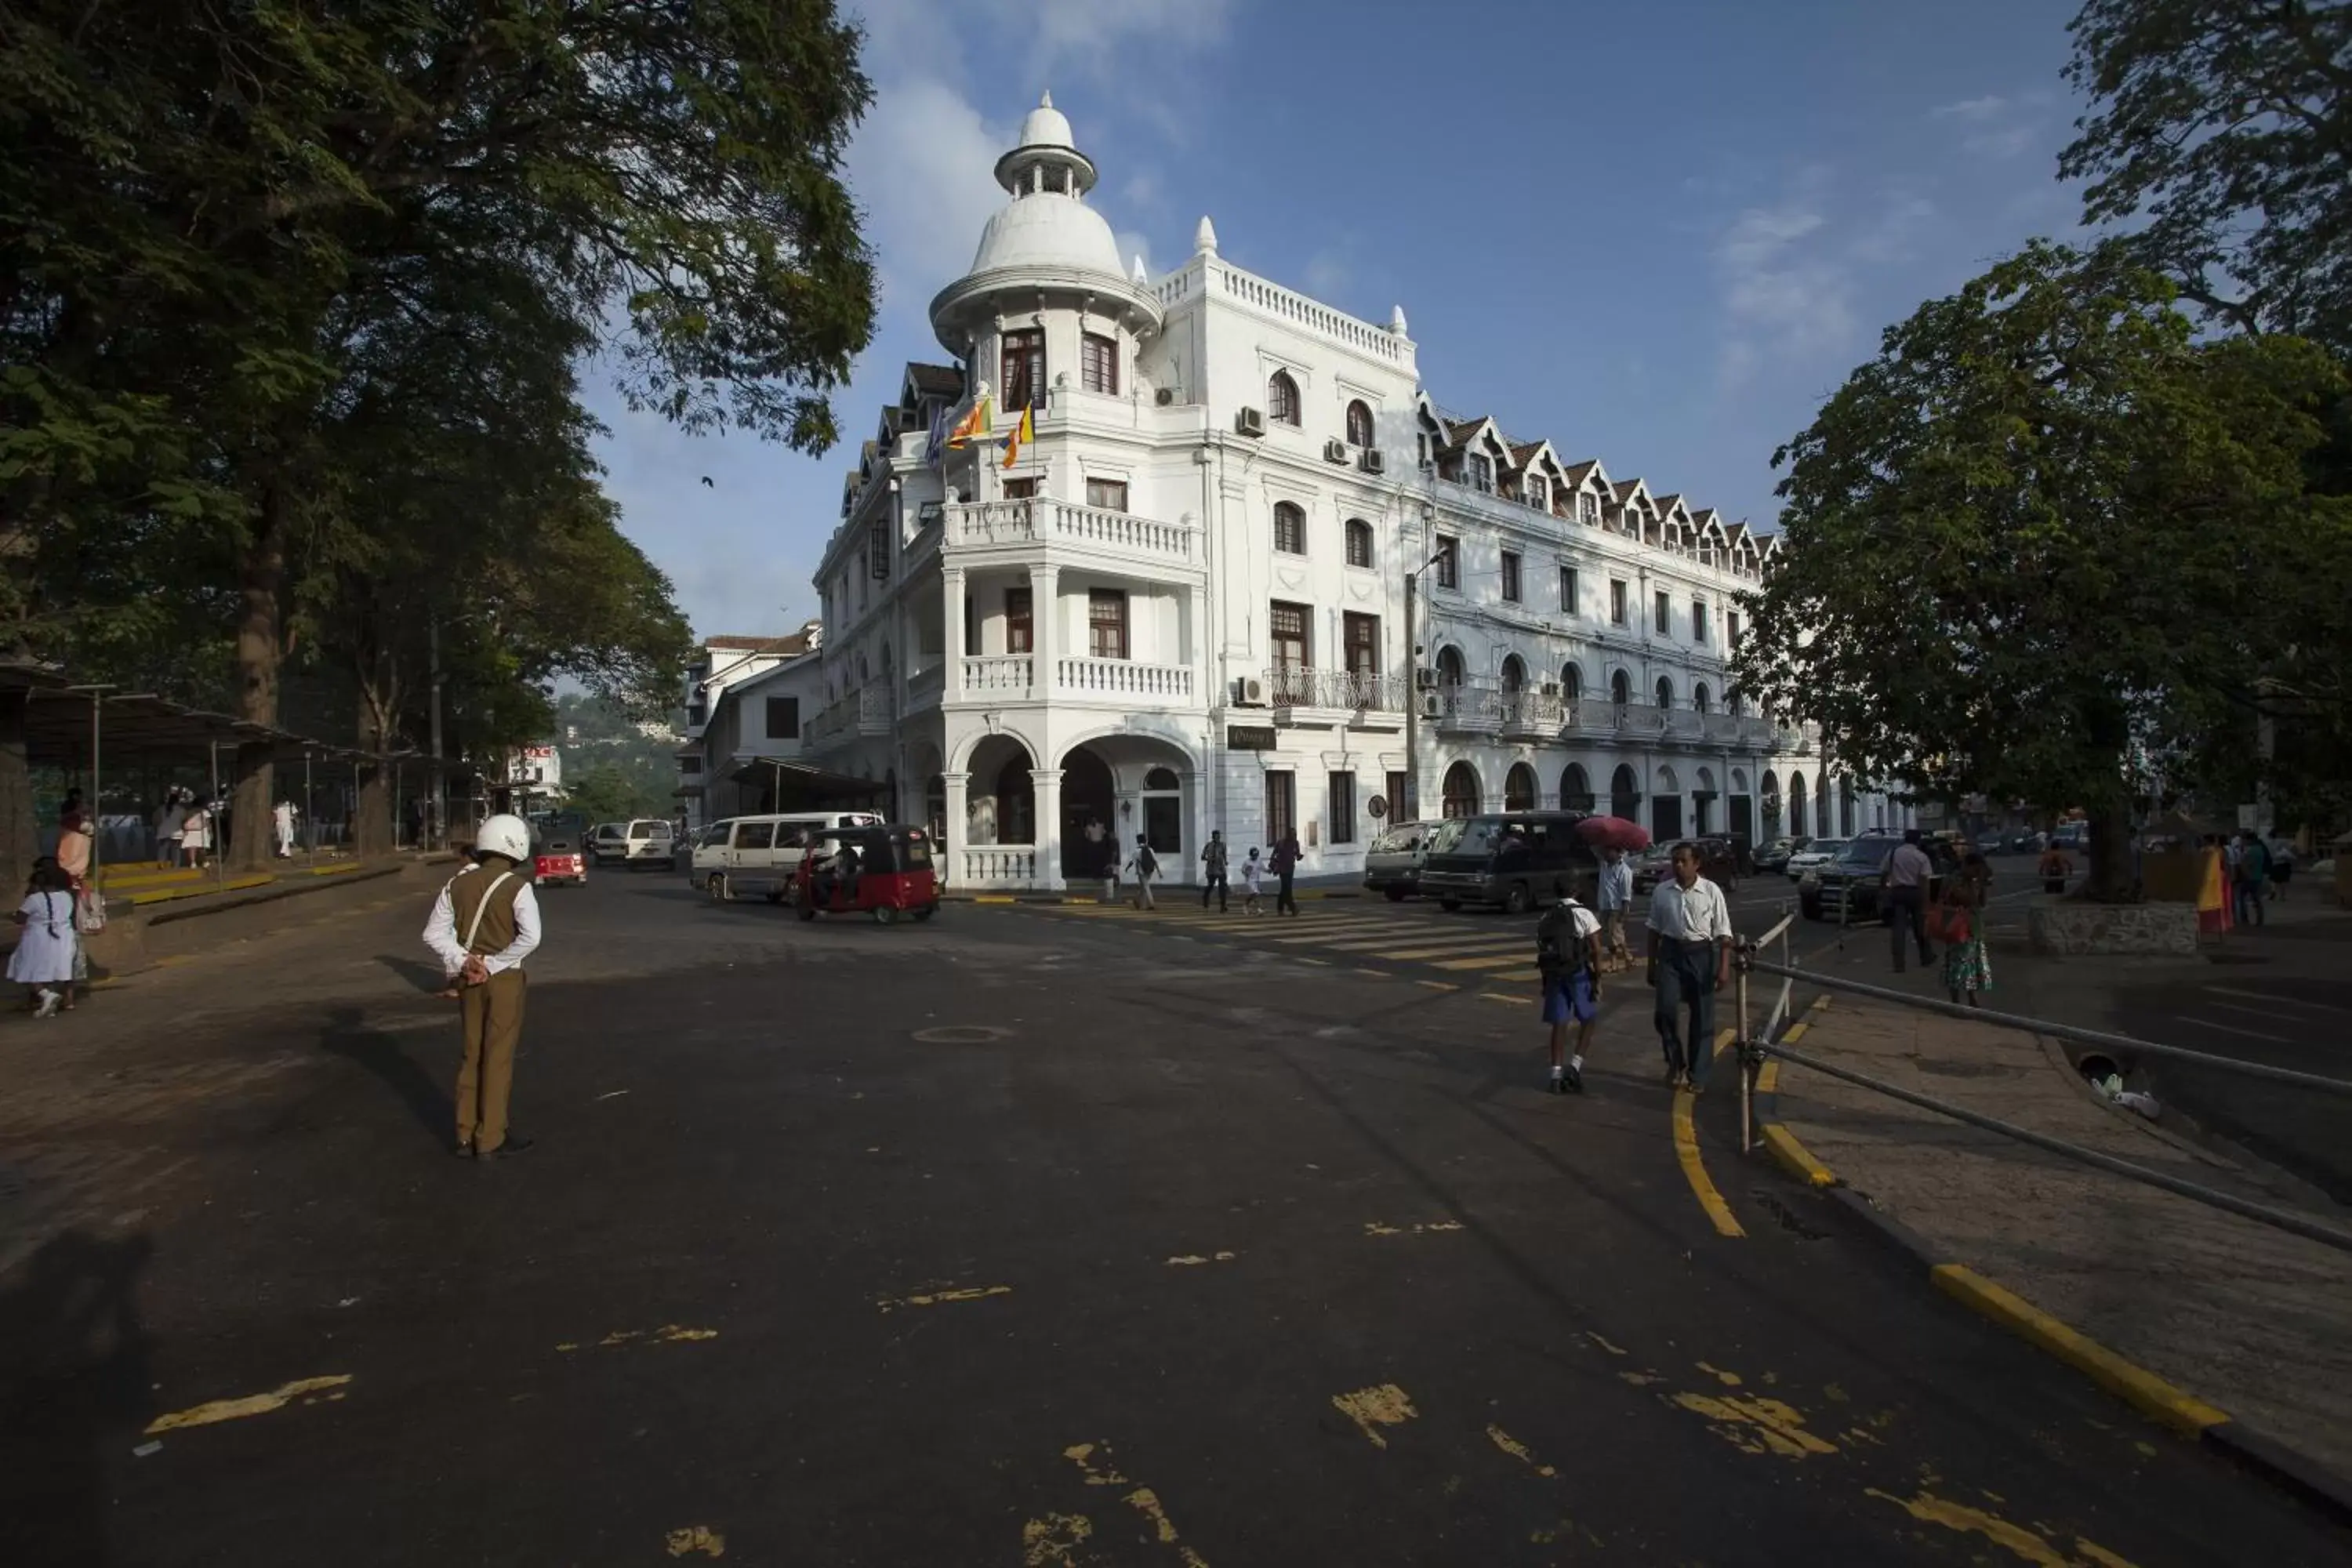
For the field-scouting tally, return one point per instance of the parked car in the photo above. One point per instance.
(2074, 836)
(1718, 862)
(1847, 890)
(1392, 865)
(2028, 841)
(1990, 843)
(1774, 856)
(644, 841)
(1514, 860)
(1815, 854)
(761, 855)
(707, 852)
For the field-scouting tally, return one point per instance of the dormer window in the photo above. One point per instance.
(1539, 496)
(1482, 472)
(1359, 424)
(1282, 398)
(1588, 509)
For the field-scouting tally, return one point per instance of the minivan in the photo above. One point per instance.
(1392, 865)
(644, 841)
(1518, 860)
(760, 855)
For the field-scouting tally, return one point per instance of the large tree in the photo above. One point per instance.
(216, 213)
(2044, 535)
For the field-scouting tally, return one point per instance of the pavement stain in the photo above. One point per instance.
(1729, 1379)
(668, 1334)
(1757, 1426)
(1383, 1404)
(696, 1538)
(1053, 1540)
(934, 1298)
(1190, 1260)
(1377, 1227)
(2020, 1542)
(1518, 1450)
(300, 1390)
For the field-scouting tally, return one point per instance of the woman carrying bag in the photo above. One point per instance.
(1957, 922)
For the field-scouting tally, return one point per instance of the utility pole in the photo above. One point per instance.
(1409, 808)
(437, 835)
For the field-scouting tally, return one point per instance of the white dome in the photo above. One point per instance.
(1045, 127)
(1048, 231)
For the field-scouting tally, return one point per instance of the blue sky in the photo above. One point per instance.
(1659, 233)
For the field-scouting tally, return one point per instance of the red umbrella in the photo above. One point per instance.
(1614, 833)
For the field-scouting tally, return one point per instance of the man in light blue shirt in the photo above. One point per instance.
(1615, 897)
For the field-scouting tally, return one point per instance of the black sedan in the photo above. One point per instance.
(1847, 890)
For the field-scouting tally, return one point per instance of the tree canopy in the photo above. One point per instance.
(2040, 538)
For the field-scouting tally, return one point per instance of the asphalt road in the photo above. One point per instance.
(1035, 1235)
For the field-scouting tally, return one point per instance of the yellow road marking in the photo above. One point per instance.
(1518, 1450)
(1146, 1501)
(1778, 1141)
(1757, 1426)
(1695, 1169)
(696, 1538)
(1359, 931)
(1383, 1404)
(936, 1298)
(1374, 1227)
(1518, 974)
(1439, 949)
(251, 1404)
(2150, 1393)
(1929, 1508)
(1302, 958)
(1438, 984)
(1375, 974)
(1082, 1453)
(1052, 1542)
(1499, 996)
(1190, 1258)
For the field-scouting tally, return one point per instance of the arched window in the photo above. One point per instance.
(1359, 541)
(1800, 823)
(1515, 674)
(1162, 779)
(1290, 528)
(1575, 789)
(1359, 424)
(1571, 681)
(1520, 788)
(1698, 698)
(1449, 666)
(1460, 794)
(1282, 398)
(1621, 688)
(1482, 472)
(1625, 793)
(1735, 704)
(1665, 693)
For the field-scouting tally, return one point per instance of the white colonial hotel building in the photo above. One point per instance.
(1183, 609)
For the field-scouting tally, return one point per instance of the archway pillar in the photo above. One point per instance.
(1046, 783)
(955, 826)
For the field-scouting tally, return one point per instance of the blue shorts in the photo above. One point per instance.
(1570, 1000)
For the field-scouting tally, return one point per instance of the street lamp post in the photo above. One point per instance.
(1409, 808)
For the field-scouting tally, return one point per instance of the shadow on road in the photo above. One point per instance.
(73, 1385)
(347, 1035)
(425, 977)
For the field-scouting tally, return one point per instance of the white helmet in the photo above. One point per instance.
(503, 834)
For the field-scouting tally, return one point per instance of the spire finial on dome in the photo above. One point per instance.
(1045, 99)
(1205, 239)
(1141, 275)
(1396, 321)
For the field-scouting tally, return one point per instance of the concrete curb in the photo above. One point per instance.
(2160, 1401)
(270, 892)
(1159, 890)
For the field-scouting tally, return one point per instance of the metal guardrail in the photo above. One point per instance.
(1754, 1049)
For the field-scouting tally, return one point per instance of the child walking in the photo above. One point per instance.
(44, 959)
(1251, 869)
(1567, 954)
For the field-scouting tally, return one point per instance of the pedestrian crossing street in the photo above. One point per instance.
(1480, 948)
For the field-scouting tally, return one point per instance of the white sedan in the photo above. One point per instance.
(1814, 855)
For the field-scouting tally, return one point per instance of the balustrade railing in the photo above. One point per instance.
(1530, 712)
(996, 866)
(1124, 677)
(996, 672)
(1350, 690)
(1043, 517)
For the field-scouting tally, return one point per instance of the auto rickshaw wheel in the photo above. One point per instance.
(884, 914)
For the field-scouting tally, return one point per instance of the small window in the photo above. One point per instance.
(1098, 363)
(1363, 636)
(1290, 528)
(1107, 623)
(1700, 698)
(1665, 623)
(1571, 681)
(1621, 688)
(1510, 577)
(1449, 666)
(1698, 620)
(1731, 629)
(1023, 365)
(1021, 489)
(1588, 509)
(1290, 626)
(1359, 543)
(1568, 590)
(1538, 495)
(754, 834)
(1282, 398)
(1449, 563)
(1281, 805)
(1020, 631)
(1665, 693)
(1359, 424)
(783, 718)
(1343, 808)
(1482, 472)
(1616, 602)
(1109, 494)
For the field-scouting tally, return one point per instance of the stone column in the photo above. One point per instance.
(1046, 783)
(951, 590)
(958, 809)
(1045, 644)
(1196, 649)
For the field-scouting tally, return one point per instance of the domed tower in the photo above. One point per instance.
(1046, 311)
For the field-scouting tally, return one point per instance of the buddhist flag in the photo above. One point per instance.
(973, 427)
(1024, 429)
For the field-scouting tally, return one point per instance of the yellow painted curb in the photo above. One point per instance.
(2145, 1392)
(1788, 1154)
(233, 885)
(1686, 1155)
(993, 898)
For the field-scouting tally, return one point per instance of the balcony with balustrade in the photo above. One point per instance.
(862, 714)
(1469, 707)
(1530, 715)
(1366, 699)
(1043, 528)
(1127, 683)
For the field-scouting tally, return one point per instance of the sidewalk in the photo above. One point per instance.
(2255, 1321)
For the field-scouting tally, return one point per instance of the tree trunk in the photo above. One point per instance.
(2109, 878)
(20, 835)
(261, 587)
(371, 812)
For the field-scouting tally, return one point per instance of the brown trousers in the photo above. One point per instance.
(493, 1016)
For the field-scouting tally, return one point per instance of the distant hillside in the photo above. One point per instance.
(613, 767)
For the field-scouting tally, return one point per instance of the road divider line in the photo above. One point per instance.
(1686, 1155)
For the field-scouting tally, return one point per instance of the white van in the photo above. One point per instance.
(709, 852)
(646, 841)
(761, 854)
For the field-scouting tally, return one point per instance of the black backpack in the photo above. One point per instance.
(1147, 862)
(1560, 953)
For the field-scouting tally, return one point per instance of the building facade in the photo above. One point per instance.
(1183, 605)
(746, 699)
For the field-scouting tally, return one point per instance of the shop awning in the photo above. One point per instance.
(802, 784)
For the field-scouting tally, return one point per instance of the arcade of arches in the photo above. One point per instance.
(1108, 793)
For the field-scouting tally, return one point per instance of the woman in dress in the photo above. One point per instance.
(196, 832)
(77, 832)
(1967, 969)
(44, 959)
(168, 818)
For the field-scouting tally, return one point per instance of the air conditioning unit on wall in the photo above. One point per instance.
(1249, 691)
(1250, 421)
(1425, 678)
(1335, 452)
(1372, 462)
(1432, 705)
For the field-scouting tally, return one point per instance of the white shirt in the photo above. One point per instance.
(1909, 867)
(1696, 914)
(441, 930)
(1586, 922)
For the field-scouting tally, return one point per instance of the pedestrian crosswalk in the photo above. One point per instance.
(1481, 948)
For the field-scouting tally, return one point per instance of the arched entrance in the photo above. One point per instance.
(1575, 787)
(1667, 805)
(1772, 804)
(1163, 812)
(1703, 798)
(1515, 674)
(1520, 788)
(1625, 793)
(1001, 807)
(1090, 843)
(1799, 825)
(1460, 793)
(1743, 808)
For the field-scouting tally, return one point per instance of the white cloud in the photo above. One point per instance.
(921, 170)
(1790, 274)
(1092, 35)
(1989, 107)
(1999, 127)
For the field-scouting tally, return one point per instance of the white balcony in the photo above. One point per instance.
(863, 712)
(1292, 686)
(1533, 714)
(1469, 709)
(1099, 531)
(1000, 675)
(1150, 685)
(996, 866)
(1642, 719)
(925, 686)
